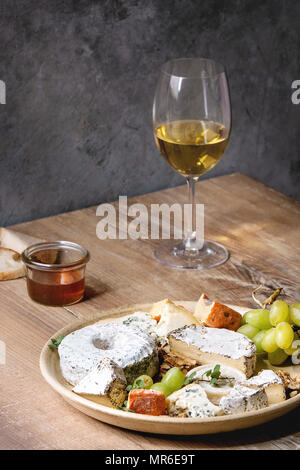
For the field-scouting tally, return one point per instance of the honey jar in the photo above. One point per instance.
(55, 272)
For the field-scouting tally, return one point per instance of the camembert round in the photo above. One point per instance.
(132, 349)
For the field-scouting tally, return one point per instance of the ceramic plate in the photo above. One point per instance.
(50, 368)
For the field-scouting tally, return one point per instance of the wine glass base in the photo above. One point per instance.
(174, 255)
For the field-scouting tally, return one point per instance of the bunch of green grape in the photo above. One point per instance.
(273, 331)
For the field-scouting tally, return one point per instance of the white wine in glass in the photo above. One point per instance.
(192, 122)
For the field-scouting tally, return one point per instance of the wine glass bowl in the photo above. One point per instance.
(192, 123)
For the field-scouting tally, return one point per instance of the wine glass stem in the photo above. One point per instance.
(191, 242)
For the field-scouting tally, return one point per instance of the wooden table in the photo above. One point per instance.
(259, 226)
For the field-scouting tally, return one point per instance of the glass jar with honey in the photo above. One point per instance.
(55, 272)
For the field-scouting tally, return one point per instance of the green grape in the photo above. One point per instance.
(279, 312)
(269, 342)
(161, 387)
(243, 320)
(290, 351)
(257, 340)
(248, 330)
(295, 313)
(284, 335)
(277, 357)
(146, 381)
(258, 318)
(173, 379)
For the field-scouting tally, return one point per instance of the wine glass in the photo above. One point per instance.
(192, 123)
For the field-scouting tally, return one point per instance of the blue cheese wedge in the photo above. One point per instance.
(214, 346)
(143, 321)
(229, 376)
(107, 379)
(242, 398)
(191, 402)
(271, 383)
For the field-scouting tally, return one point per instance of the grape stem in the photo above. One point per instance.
(269, 300)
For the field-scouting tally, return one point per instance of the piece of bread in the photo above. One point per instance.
(15, 240)
(147, 402)
(11, 265)
(217, 315)
(170, 316)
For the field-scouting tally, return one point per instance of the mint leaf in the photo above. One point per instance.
(216, 372)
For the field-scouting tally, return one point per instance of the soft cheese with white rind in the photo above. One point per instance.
(242, 398)
(271, 383)
(100, 379)
(132, 349)
(227, 379)
(215, 345)
(191, 402)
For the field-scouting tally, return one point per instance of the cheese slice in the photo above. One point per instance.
(217, 315)
(242, 399)
(271, 383)
(214, 346)
(171, 317)
(227, 379)
(191, 402)
(143, 321)
(107, 379)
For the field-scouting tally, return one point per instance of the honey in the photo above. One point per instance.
(55, 272)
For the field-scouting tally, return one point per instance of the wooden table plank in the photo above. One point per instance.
(258, 225)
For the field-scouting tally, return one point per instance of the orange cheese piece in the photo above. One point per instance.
(217, 315)
(147, 402)
(221, 316)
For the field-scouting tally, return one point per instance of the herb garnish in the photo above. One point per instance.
(55, 342)
(213, 374)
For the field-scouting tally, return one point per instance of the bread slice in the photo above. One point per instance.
(15, 240)
(217, 315)
(11, 265)
(170, 316)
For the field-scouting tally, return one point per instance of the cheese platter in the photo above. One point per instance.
(224, 384)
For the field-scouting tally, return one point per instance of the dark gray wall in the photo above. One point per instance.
(80, 77)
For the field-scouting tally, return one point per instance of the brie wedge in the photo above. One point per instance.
(271, 383)
(106, 379)
(242, 398)
(214, 346)
(191, 402)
